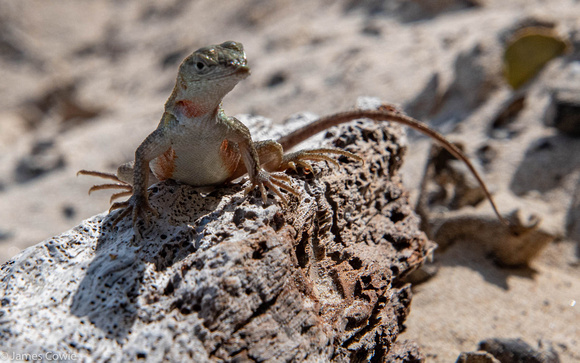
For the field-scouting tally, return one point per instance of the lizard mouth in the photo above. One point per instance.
(243, 71)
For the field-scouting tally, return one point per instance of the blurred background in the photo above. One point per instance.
(82, 83)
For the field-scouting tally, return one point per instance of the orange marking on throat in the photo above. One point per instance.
(191, 109)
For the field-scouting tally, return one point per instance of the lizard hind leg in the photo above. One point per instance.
(301, 158)
(274, 162)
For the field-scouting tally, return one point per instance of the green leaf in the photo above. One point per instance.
(527, 53)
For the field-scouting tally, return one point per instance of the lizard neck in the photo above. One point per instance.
(191, 104)
(193, 108)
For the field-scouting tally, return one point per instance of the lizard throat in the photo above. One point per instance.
(191, 109)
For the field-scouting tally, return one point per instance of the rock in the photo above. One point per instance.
(435, 7)
(515, 246)
(518, 351)
(410, 11)
(503, 126)
(221, 276)
(476, 357)
(572, 218)
(564, 98)
(564, 111)
(405, 351)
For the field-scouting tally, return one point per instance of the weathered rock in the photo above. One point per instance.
(476, 357)
(564, 111)
(516, 350)
(223, 277)
(573, 219)
(503, 125)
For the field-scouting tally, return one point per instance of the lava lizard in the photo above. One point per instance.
(197, 144)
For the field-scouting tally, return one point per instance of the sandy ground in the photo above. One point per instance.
(82, 83)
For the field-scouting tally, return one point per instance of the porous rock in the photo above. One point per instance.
(476, 357)
(564, 111)
(223, 277)
(517, 350)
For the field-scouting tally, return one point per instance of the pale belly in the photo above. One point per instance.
(193, 161)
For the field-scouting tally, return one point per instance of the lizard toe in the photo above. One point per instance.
(119, 205)
(124, 186)
(275, 183)
(263, 192)
(120, 195)
(272, 186)
(100, 174)
(121, 215)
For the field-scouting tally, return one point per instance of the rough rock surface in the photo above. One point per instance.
(476, 357)
(220, 276)
(517, 350)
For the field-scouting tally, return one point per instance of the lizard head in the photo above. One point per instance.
(214, 69)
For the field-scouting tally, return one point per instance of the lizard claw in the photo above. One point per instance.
(275, 182)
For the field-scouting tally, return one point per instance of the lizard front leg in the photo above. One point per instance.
(260, 177)
(138, 204)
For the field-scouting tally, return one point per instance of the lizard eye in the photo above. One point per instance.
(200, 66)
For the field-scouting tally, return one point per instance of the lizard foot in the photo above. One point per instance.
(301, 158)
(275, 182)
(128, 188)
(137, 206)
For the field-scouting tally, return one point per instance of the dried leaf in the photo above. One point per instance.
(529, 50)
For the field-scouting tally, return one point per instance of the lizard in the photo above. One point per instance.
(198, 144)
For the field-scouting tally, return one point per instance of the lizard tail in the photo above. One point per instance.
(326, 122)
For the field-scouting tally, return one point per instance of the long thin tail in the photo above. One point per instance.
(326, 122)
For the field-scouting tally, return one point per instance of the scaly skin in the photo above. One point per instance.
(197, 144)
